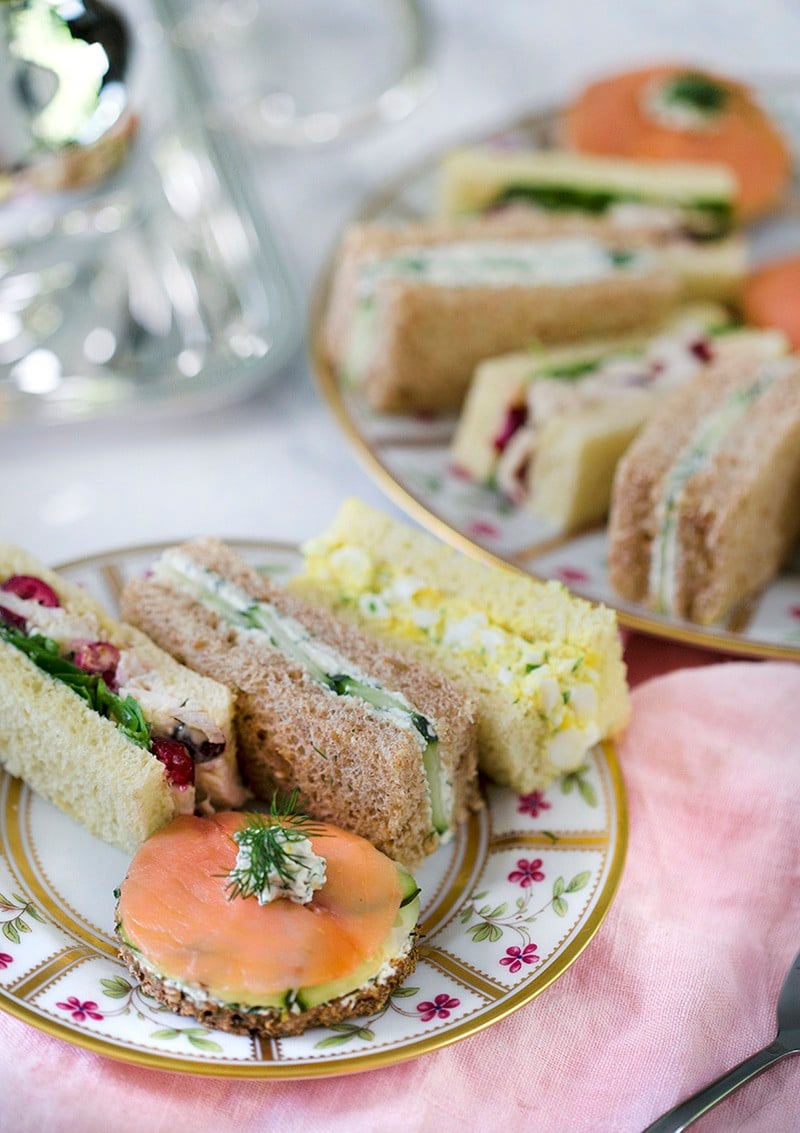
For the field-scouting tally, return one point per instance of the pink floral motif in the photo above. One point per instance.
(515, 957)
(571, 575)
(439, 1009)
(5, 959)
(80, 1011)
(794, 612)
(527, 872)
(531, 804)
(478, 527)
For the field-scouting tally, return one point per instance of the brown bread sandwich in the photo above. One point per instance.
(706, 501)
(376, 743)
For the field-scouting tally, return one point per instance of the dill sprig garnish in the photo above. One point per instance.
(267, 841)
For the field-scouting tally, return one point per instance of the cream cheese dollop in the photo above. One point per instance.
(297, 874)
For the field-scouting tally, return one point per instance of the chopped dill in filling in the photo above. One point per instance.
(276, 858)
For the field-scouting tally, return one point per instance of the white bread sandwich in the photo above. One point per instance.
(548, 429)
(545, 667)
(413, 310)
(687, 207)
(700, 196)
(706, 501)
(266, 924)
(97, 719)
(376, 744)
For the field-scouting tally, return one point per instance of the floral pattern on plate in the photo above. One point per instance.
(509, 904)
(410, 459)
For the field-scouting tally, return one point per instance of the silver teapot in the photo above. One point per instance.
(65, 115)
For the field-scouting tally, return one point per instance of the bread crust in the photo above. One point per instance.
(430, 339)
(271, 1023)
(353, 768)
(737, 517)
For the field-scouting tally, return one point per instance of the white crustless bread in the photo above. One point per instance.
(71, 755)
(475, 179)
(735, 509)
(425, 340)
(76, 759)
(570, 431)
(546, 692)
(658, 197)
(352, 767)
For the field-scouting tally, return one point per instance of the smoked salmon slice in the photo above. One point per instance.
(771, 298)
(176, 910)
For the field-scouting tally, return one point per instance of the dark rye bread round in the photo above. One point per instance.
(737, 518)
(270, 1023)
(352, 767)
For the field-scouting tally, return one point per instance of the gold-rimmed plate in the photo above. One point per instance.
(506, 908)
(409, 457)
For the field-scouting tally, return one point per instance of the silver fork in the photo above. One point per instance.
(787, 1041)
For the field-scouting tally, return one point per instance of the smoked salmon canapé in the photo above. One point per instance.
(673, 112)
(771, 297)
(266, 923)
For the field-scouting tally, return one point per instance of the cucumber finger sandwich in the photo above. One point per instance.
(376, 743)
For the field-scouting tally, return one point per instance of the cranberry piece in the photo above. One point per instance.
(177, 761)
(12, 619)
(98, 657)
(515, 419)
(702, 350)
(30, 588)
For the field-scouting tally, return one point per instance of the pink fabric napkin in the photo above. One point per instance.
(679, 983)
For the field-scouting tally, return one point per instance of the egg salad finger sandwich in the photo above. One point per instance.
(414, 309)
(374, 742)
(100, 721)
(544, 667)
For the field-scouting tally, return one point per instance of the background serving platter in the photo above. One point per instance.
(409, 456)
(506, 908)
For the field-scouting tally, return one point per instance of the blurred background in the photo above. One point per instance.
(269, 462)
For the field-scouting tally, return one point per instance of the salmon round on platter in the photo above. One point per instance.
(673, 112)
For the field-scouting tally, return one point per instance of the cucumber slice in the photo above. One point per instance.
(305, 998)
(408, 886)
(408, 914)
(281, 1001)
(433, 772)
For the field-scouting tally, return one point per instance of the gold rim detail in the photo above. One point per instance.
(268, 1061)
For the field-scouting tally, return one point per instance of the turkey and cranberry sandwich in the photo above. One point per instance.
(100, 721)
